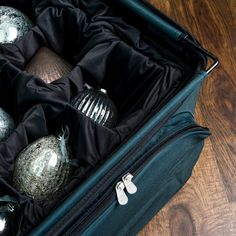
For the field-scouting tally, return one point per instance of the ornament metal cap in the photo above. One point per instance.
(103, 90)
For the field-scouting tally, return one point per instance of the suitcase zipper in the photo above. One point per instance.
(129, 185)
(109, 196)
(127, 179)
(120, 193)
(125, 184)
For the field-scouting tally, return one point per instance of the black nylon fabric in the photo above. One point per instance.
(105, 52)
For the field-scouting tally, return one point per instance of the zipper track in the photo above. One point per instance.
(134, 170)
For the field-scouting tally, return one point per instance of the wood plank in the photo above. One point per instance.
(206, 205)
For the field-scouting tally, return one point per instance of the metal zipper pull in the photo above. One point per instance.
(130, 186)
(120, 193)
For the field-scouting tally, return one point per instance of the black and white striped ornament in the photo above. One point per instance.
(96, 104)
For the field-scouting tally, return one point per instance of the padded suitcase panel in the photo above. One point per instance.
(157, 181)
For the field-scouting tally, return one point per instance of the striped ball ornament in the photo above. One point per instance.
(97, 105)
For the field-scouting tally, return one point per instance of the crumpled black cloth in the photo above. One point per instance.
(106, 52)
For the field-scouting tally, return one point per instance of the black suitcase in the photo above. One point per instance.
(153, 71)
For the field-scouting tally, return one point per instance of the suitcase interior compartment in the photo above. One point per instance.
(140, 69)
(169, 171)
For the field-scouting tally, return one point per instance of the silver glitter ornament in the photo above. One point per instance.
(96, 105)
(6, 125)
(13, 24)
(43, 167)
(10, 216)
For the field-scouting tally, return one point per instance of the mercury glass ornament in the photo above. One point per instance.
(6, 125)
(43, 167)
(13, 24)
(10, 216)
(48, 65)
(96, 105)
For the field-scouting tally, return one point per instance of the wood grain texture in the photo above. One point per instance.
(206, 205)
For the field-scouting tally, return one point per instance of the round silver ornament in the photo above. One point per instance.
(6, 125)
(42, 168)
(13, 24)
(10, 216)
(96, 105)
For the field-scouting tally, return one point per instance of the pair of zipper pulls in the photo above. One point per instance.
(125, 184)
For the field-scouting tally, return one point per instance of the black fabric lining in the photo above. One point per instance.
(106, 52)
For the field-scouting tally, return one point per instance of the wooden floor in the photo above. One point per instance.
(206, 205)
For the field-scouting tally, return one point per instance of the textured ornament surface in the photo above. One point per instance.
(48, 65)
(13, 24)
(6, 125)
(97, 105)
(42, 168)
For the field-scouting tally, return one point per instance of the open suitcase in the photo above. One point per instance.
(128, 173)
